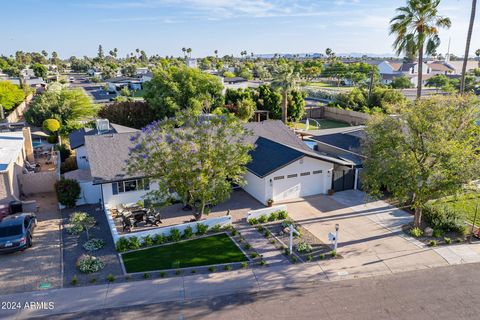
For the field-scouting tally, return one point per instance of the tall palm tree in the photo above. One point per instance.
(216, 53)
(285, 80)
(467, 46)
(189, 52)
(184, 50)
(416, 31)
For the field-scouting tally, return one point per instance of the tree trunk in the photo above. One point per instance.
(420, 71)
(418, 217)
(467, 47)
(284, 106)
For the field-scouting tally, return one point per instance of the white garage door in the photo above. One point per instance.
(298, 185)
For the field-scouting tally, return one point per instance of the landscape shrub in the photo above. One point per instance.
(188, 232)
(159, 239)
(309, 258)
(432, 243)
(201, 228)
(227, 268)
(252, 221)
(282, 214)
(442, 217)
(234, 232)
(321, 256)
(175, 234)
(89, 264)
(287, 222)
(134, 243)
(262, 219)
(74, 280)
(416, 232)
(303, 247)
(437, 233)
(253, 255)
(122, 244)
(211, 269)
(260, 228)
(248, 246)
(94, 244)
(333, 253)
(79, 222)
(273, 216)
(110, 277)
(447, 240)
(216, 228)
(244, 264)
(147, 241)
(68, 191)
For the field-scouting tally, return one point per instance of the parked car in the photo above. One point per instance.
(16, 232)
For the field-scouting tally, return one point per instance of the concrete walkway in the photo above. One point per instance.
(262, 246)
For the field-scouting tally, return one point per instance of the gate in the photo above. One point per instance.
(343, 179)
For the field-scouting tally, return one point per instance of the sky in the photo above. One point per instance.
(77, 27)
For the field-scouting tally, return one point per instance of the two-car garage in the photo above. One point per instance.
(279, 172)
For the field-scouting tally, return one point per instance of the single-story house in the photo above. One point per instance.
(118, 83)
(283, 167)
(77, 139)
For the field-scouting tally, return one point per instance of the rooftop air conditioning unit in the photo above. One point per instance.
(102, 125)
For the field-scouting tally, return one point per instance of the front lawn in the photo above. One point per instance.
(198, 252)
(324, 124)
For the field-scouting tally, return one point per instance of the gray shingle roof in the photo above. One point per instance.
(269, 156)
(107, 156)
(77, 137)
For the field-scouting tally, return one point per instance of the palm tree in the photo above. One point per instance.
(184, 50)
(467, 46)
(416, 31)
(477, 53)
(216, 53)
(189, 52)
(285, 80)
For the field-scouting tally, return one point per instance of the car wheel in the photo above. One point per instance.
(30, 242)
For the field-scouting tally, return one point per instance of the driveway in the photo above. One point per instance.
(371, 240)
(41, 264)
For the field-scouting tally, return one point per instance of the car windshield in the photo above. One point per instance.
(9, 231)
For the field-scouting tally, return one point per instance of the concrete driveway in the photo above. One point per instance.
(370, 241)
(25, 271)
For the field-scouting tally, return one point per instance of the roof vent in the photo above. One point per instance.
(102, 125)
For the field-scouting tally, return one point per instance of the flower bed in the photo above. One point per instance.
(89, 264)
(94, 244)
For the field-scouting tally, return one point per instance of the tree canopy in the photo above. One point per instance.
(198, 158)
(66, 105)
(135, 114)
(178, 88)
(10, 95)
(430, 150)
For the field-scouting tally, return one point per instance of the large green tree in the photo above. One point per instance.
(198, 158)
(10, 95)
(135, 114)
(40, 70)
(177, 88)
(428, 151)
(416, 30)
(66, 105)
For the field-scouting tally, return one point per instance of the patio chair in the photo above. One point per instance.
(127, 224)
(153, 219)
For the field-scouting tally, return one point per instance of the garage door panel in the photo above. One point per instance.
(300, 186)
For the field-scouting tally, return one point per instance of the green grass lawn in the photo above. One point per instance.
(324, 124)
(198, 252)
(465, 204)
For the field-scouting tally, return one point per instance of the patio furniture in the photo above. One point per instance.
(138, 216)
(127, 224)
(153, 219)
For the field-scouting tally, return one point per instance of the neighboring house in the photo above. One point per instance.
(390, 70)
(283, 167)
(27, 73)
(440, 67)
(141, 71)
(238, 83)
(118, 83)
(77, 139)
(15, 150)
(192, 63)
(94, 72)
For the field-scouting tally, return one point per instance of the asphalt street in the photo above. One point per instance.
(442, 293)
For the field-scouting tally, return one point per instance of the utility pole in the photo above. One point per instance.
(2, 114)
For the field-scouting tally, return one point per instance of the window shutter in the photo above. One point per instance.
(114, 188)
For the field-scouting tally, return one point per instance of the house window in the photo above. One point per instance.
(130, 185)
(279, 178)
(292, 175)
(317, 171)
(304, 174)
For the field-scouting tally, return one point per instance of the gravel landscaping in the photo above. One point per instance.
(73, 249)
